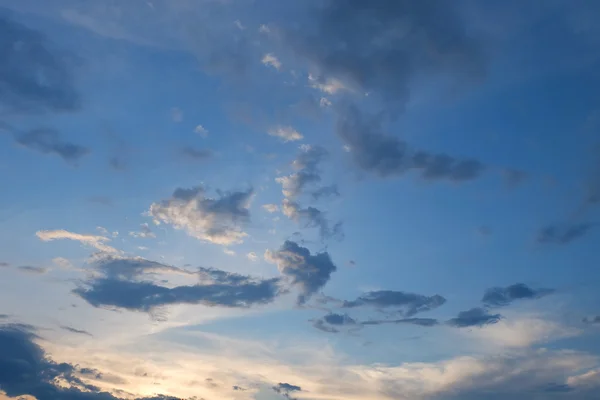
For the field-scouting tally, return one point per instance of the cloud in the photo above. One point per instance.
(406, 304)
(62, 262)
(48, 141)
(564, 233)
(308, 272)
(271, 60)
(77, 331)
(325, 191)
(503, 296)
(312, 218)
(271, 207)
(286, 389)
(123, 283)
(34, 78)
(4, 264)
(426, 322)
(307, 172)
(329, 86)
(592, 320)
(386, 156)
(145, 232)
(287, 133)
(200, 130)
(216, 220)
(118, 163)
(196, 154)
(98, 242)
(252, 256)
(474, 317)
(513, 177)
(176, 114)
(33, 270)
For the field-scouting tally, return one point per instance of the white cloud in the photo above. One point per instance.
(287, 133)
(264, 29)
(270, 59)
(62, 263)
(103, 231)
(200, 130)
(229, 252)
(252, 256)
(329, 86)
(271, 207)
(325, 102)
(144, 233)
(216, 220)
(238, 24)
(98, 242)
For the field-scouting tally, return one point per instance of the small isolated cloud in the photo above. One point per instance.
(77, 331)
(271, 207)
(503, 296)
(329, 86)
(264, 29)
(286, 389)
(286, 133)
(312, 217)
(403, 303)
(563, 233)
(176, 114)
(62, 262)
(200, 130)
(271, 60)
(474, 317)
(513, 177)
(326, 191)
(229, 252)
(216, 220)
(592, 320)
(252, 256)
(194, 154)
(332, 322)
(308, 272)
(48, 141)
(33, 270)
(97, 242)
(145, 232)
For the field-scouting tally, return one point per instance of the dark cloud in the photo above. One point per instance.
(4, 264)
(217, 220)
(592, 320)
(307, 172)
(564, 233)
(286, 389)
(116, 287)
(312, 217)
(33, 270)
(407, 304)
(326, 191)
(308, 272)
(386, 156)
(503, 296)
(117, 163)
(513, 177)
(48, 141)
(192, 153)
(238, 388)
(474, 317)
(77, 331)
(381, 47)
(33, 77)
(427, 322)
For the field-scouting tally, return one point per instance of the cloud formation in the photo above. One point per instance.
(307, 172)
(403, 303)
(286, 389)
(474, 317)
(285, 133)
(503, 296)
(48, 141)
(563, 233)
(216, 220)
(95, 241)
(308, 272)
(312, 217)
(33, 270)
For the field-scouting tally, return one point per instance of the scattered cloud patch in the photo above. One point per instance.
(144, 233)
(286, 133)
(48, 141)
(95, 241)
(563, 233)
(77, 331)
(403, 303)
(200, 130)
(592, 320)
(503, 296)
(474, 317)
(312, 217)
(252, 256)
(286, 389)
(271, 60)
(33, 270)
(176, 114)
(62, 262)
(192, 153)
(272, 208)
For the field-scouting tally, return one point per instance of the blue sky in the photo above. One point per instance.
(250, 199)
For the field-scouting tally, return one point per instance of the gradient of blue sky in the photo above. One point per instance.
(186, 94)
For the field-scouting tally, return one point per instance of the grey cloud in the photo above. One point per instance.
(407, 304)
(77, 331)
(325, 191)
(117, 287)
(4, 264)
(592, 320)
(426, 322)
(286, 389)
(308, 272)
(25, 369)
(48, 141)
(386, 156)
(192, 153)
(217, 220)
(118, 163)
(33, 78)
(33, 270)
(563, 233)
(331, 322)
(307, 172)
(474, 317)
(513, 177)
(312, 218)
(382, 47)
(503, 296)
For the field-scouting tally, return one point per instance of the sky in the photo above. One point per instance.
(301, 200)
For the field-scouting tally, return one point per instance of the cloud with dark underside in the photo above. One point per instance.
(474, 317)
(332, 322)
(34, 78)
(308, 272)
(402, 303)
(503, 296)
(123, 283)
(312, 217)
(286, 389)
(563, 233)
(307, 171)
(384, 155)
(218, 220)
(77, 331)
